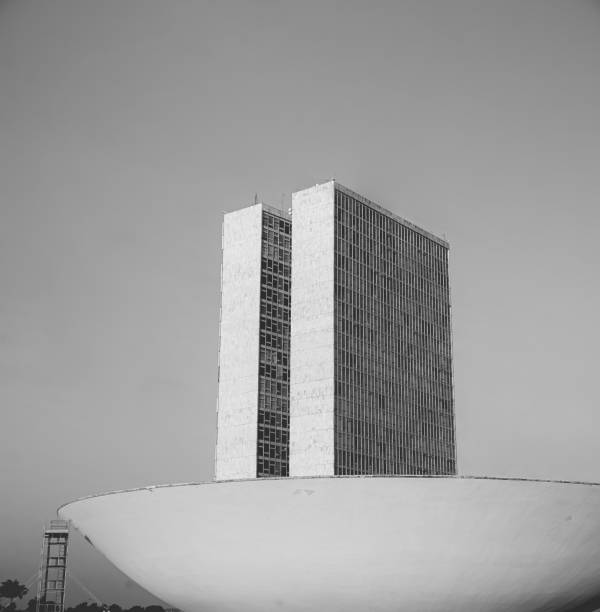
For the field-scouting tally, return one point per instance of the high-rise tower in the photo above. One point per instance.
(253, 408)
(362, 381)
(371, 373)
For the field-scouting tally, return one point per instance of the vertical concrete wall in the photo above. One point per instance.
(239, 345)
(312, 334)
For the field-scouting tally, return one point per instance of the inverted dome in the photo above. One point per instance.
(418, 544)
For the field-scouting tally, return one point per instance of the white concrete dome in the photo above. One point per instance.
(361, 544)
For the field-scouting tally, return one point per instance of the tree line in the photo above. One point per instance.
(14, 590)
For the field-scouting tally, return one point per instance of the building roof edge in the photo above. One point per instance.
(385, 211)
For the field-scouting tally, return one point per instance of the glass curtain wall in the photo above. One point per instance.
(394, 409)
(274, 360)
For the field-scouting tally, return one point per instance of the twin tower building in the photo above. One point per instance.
(335, 342)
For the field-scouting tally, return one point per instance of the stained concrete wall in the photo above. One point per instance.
(312, 334)
(239, 345)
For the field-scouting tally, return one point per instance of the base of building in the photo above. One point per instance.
(418, 544)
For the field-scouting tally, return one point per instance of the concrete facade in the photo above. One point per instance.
(235, 455)
(312, 341)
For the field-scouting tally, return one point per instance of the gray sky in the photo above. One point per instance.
(127, 128)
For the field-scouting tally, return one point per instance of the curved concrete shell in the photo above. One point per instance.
(355, 544)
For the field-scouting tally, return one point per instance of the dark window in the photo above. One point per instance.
(273, 401)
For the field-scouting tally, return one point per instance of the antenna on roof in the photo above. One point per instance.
(256, 198)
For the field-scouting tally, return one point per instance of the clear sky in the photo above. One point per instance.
(128, 128)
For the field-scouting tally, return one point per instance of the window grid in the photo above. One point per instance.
(272, 457)
(393, 378)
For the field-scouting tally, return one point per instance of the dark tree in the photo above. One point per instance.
(31, 605)
(12, 589)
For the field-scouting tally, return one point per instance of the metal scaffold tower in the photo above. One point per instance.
(53, 568)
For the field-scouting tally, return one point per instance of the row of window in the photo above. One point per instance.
(379, 428)
(406, 314)
(390, 355)
(416, 434)
(384, 288)
(393, 355)
(386, 359)
(411, 436)
(273, 280)
(271, 325)
(406, 334)
(373, 378)
(271, 418)
(266, 467)
(273, 356)
(274, 311)
(277, 239)
(274, 402)
(270, 448)
(393, 390)
(438, 451)
(364, 339)
(391, 340)
(413, 305)
(353, 213)
(272, 266)
(347, 463)
(379, 372)
(393, 423)
(275, 435)
(276, 253)
(388, 305)
(363, 249)
(387, 262)
(275, 296)
(268, 387)
(276, 223)
(273, 399)
(275, 340)
(274, 371)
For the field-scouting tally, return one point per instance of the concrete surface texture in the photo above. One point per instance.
(235, 455)
(436, 544)
(312, 332)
